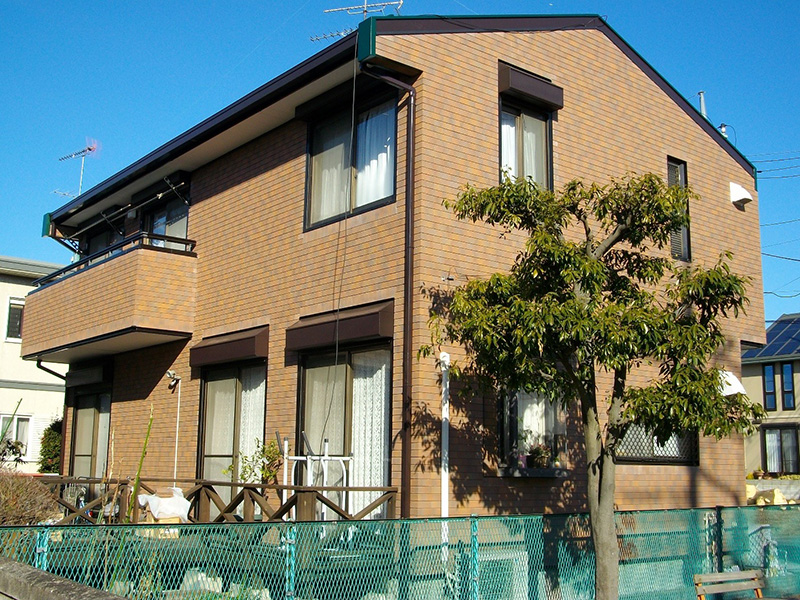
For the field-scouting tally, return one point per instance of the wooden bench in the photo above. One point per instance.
(733, 581)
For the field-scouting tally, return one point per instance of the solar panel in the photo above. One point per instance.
(783, 339)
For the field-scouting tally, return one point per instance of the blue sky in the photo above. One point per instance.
(134, 75)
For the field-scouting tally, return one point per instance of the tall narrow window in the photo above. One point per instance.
(787, 380)
(14, 324)
(346, 414)
(235, 399)
(344, 179)
(525, 145)
(770, 402)
(90, 432)
(679, 240)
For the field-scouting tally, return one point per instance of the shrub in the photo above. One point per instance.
(23, 500)
(50, 451)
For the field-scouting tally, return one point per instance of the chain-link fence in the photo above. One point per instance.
(479, 558)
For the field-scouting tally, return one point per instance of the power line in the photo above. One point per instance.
(779, 177)
(782, 295)
(779, 169)
(781, 257)
(772, 160)
(779, 223)
(781, 243)
(776, 153)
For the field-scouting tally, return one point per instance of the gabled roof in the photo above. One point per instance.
(232, 125)
(783, 342)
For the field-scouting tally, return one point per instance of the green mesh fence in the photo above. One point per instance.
(480, 558)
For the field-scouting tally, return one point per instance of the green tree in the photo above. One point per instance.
(50, 450)
(588, 294)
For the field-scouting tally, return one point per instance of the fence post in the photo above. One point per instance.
(42, 539)
(473, 557)
(290, 572)
(404, 573)
(719, 537)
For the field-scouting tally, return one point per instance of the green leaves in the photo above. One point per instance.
(586, 293)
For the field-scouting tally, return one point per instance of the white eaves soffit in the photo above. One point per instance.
(274, 115)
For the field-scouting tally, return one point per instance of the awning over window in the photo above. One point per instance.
(362, 323)
(530, 88)
(231, 347)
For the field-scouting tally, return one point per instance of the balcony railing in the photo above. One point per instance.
(85, 500)
(138, 240)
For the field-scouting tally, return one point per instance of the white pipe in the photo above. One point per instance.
(444, 360)
(177, 431)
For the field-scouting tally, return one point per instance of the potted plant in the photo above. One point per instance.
(539, 456)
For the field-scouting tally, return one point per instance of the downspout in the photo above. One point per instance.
(39, 365)
(408, 286)
(444, 361)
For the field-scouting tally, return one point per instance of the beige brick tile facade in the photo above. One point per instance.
(255, 264)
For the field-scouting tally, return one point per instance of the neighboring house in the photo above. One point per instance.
(770, 376)
(41, 392)
(282, 258)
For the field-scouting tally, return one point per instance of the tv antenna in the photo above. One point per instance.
(91, 147)
(364, 9)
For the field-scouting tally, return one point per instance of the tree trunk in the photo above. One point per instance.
(600, 471)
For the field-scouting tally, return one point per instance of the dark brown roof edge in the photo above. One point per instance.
(464, 24)
(229, 116)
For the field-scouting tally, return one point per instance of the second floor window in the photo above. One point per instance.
(525, 145)
(170, 219)
(787, 378)
(351, 170)
(770, 402)
(14, 324)
(679, 240)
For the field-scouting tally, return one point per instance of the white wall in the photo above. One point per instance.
(42, 394)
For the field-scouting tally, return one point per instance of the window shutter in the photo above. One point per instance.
(679, 239)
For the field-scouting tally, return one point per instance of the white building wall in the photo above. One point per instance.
(39, 394)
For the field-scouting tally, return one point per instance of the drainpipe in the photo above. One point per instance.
(444, 361)
(408, 286)
(39, 365)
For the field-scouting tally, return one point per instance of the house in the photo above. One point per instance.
(279, 261)
(769, 376)
(30, 398)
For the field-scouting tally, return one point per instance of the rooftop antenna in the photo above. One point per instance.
(364, 9)
(91, 147)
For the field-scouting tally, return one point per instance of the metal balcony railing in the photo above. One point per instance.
(141, 239)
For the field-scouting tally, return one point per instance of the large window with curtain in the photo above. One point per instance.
(352, 168)
(345, 412)
(780, 449)
(234, 403)
(525, 145)
(533, 430)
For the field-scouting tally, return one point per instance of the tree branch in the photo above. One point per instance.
(614, 237)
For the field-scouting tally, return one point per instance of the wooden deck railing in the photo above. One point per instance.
(86, 500)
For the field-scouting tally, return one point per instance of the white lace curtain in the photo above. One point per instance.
(375, 154)
(370, 445)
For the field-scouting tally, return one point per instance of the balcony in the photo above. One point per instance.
(137, 293)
